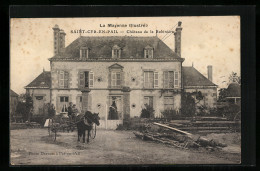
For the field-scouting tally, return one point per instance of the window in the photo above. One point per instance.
(84, 52)
(116, 52)
(168, 103)
(148, 100)
(64, 79)
(38, 97)
(151, 79)
(86, 79)
(148, 52)
(171, 79)
(116, 79)
(63, 103)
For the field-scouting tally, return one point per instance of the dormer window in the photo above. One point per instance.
(84, 52)
(116, 52)
(148, 52)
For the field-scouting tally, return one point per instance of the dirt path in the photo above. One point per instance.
(34, 147)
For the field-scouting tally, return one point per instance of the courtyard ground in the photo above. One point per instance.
(35, 147)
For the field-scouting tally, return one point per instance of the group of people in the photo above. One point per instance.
(72, 111)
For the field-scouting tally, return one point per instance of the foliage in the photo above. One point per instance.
(39, 119)
(21, 110)
(147, 112)
(234, 78)
(170, 114)
(232, 111)
(188, 107)
(223, 93)
(198, 96)
(202, 110)
(49, 110)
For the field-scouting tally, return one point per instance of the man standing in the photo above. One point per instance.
(70, 110)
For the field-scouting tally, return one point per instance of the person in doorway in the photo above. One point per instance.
(113, 114)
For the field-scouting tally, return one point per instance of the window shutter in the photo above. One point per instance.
(80, 53)
(113, 80)
(61, 79)
(165, 81)
(156, 80)
(81, 79)
(146, 79)
(179, 79)
(176, 79)
(91, 79)
(66, 79)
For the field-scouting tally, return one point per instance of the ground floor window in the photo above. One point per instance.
(168, 103)
(148, 100)
(63, 103)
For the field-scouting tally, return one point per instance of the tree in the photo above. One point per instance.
(234, 78)
(222, 94)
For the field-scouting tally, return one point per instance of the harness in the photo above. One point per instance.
(86, 123)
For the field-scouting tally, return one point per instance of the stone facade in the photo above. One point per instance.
(132, 99)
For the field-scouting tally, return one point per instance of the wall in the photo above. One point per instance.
(100, 93)
(39, 92)
(100, 69)
(210, 96)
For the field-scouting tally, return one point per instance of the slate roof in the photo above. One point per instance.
(192, 77)
(234, 90)
(132, 47)
(13, 94)
(42, 81)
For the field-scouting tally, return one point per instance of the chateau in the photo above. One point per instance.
(94, 72)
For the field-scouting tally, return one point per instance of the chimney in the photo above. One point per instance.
(177, 35)
(210, 73)
(62, 40)
(56, 31)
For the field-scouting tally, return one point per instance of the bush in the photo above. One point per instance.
(202, 110)
(147, 112)
(39, 119)
(232, 111)
(170, 114)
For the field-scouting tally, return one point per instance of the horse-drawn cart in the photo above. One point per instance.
(62, 123)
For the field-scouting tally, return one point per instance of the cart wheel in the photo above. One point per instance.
(54, 134)
(93, 132)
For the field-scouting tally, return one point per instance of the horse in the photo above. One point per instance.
(86, 124)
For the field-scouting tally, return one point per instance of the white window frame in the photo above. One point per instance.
(62, 79)
(85, 51)
(115, 79)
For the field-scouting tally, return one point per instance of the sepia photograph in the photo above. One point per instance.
(125, 90)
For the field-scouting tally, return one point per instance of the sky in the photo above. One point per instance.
(213, 40)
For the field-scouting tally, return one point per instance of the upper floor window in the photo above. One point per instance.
(151, 79)
(171, 79)
(64, 79)
(116, 78)
(86, 79)
(148, 52)
(116, 52)
(84, 52)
